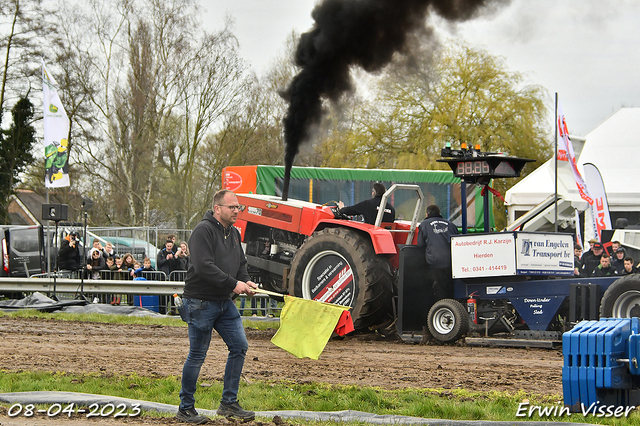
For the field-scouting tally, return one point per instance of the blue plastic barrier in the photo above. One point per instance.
(601, 364)
(149, 302)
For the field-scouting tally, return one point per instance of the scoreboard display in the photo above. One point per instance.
(464, 168)
(472, 168)
(482, 168)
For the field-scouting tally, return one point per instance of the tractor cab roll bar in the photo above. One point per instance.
(416, 212)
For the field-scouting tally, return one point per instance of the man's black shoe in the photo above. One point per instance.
(190, 415)
(235, 410)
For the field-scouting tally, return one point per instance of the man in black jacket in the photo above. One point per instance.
(434, 234)
(218, 268)
(604, 269)
(69, 257)
(591, 259)
(166, 261)
(369, 208)
(628, 266)
(617, 260)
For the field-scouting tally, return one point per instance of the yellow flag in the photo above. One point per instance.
(306, 326)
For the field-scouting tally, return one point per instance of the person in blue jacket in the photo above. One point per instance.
(434, 234)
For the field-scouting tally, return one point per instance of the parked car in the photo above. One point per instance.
(137, 247)
(22, 250)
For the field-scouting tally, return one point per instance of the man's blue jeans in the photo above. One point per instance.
(203, 316)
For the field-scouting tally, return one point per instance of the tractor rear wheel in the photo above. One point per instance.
(339, 265)
(622, 298)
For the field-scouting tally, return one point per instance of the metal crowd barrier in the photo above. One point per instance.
(178, 275)
(115, 275)
(154, 275)
(268, 306)
(156, 294)
(158, 302)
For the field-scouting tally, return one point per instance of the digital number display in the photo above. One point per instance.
(480, 168)
(473, 168)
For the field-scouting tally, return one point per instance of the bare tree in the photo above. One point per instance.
(159, 107)
(252, 130)
(211, 88)
(129, 64)
(20, 41)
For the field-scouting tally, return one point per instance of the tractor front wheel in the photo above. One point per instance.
(448, 320)
(622, 298)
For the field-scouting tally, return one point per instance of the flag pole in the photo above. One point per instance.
(270, 293)
(555, 222)
(48, 244)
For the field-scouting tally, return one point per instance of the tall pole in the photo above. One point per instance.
(55, 275)
(84, 253)
(485, 204)
(48, 242)
(463, 195)
(555, 156)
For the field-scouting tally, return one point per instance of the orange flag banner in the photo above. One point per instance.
(345, 324)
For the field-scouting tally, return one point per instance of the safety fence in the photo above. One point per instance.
(159, 303)
(121, 288)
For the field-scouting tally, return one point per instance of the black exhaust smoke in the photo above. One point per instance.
(348, 33)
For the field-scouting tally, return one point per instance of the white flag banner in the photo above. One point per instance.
(56, 132)
(590, 232)
(601, 219)
(565, 153)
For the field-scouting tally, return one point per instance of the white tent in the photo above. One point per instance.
(611, 148)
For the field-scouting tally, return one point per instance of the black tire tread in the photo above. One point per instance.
(375, 305)
(461, 317)
(619, 286)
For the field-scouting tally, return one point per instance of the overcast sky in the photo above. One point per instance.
(588, 51)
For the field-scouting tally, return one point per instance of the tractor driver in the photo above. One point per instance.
(369, 208)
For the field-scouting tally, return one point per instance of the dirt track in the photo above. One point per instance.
(51, 345)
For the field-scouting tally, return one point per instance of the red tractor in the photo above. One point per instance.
(311, 251)
(503, 282)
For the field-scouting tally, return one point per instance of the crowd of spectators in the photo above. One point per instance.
(597, 262)
(173, 257)
(104, 263)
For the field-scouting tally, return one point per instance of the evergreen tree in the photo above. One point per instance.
(15, 152)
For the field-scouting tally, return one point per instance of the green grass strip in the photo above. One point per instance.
(273, 395)
(270, 396)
